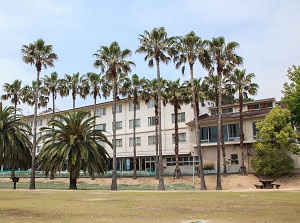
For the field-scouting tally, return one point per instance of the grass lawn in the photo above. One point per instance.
(23, 205)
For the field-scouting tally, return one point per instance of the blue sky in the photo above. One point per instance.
(267, 31)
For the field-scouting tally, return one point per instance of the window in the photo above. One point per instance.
(101, 111)
(119, 109)
(214, 112)
(30, 123)
(137, 123)
(118, 142)
(255, 130)
(38, 135)
(38, 149)
(150, 103)
(227, 110)
(40, 122)
(151, 121)
(137, 141)
(181, 137)
(101, 126)
(118, 125)
(234, 159)
(209, 134)
(182, 161)
(48, 120)
(131, 106)
(180, 116)
(151, 140)
(233, 132)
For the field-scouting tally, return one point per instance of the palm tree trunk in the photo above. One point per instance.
(161, 185)
(156, 139)
(92, 169)
(73, 183)
(114, 172)
(32, 174)
(243, 167)
(219, 185)
(177, 169)
(197, 132)
(53, 114)
(12, 162)
(134, 140)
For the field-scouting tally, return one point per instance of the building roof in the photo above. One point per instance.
(231, 116)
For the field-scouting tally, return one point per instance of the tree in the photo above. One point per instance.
(275, 137)
(15, 145)
(72, 83)
(148, 93)
(189, 49)
(155, 44)
(28, 92)
(223, 59)
(112, 61)
(133, 88)
(74, 139)
(291, 94)
(40, 55)
(13, 92)
(52, 86)
(241, 83)
(176, 94)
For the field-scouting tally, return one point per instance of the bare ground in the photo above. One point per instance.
(231, 182)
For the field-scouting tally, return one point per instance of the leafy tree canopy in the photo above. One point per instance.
(275, 137)
(291, 94)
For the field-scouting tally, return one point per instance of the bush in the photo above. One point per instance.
(206, 166)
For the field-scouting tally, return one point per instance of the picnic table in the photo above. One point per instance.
(267, 184)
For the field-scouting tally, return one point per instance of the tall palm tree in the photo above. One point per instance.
(15, 145)
(223, 60)
(76, 141)
(40, 55)
(28, 92)
(189, 49)
(155, 45)
(176, 94)
(132, 88)
(112, 61)
(13, 92)
(150, 92)
(241, 83)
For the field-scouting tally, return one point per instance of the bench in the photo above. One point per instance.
(259, 186)
(276, 185)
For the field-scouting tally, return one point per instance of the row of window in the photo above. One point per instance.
(119, 124)
(151, 140)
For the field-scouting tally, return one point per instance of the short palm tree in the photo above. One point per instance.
(112, 62)
(40, 55)
(13, 92)
(189, 49)
(176, 94)
(76, 141)
(155, 45)
(241, 83)
(223, 59)
(15, 145)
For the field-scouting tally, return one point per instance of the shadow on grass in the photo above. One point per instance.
(56, 185)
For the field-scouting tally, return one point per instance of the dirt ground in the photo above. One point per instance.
(232, 182)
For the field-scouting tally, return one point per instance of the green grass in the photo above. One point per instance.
(148, 206)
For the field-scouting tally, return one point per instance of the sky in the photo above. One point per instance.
(267, 32)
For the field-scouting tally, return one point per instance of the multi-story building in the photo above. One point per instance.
(253, 112)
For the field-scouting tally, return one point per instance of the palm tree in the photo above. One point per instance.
(132, 88)
(72, 83)
(28, 92)
(76, 141)
(176, 94)
(189, 49)
(15, 145)
(112, 61)
(40, 55)
(150, 92)
(13, 92)
(52, 87)
(241, 83)
(223, 59)
(155, 44)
